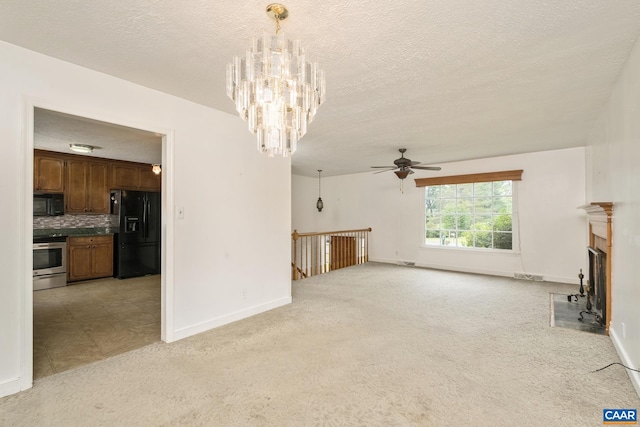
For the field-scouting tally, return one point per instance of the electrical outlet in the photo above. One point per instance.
(244, 293)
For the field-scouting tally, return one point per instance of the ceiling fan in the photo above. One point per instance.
(403, 166)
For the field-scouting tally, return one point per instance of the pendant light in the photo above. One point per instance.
(319, 203)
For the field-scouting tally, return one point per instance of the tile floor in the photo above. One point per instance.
(86, 322)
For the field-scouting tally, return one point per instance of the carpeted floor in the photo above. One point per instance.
(370, 345)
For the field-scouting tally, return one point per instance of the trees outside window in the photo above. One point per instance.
(477, 215)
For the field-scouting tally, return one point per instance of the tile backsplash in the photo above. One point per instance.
(75, 221)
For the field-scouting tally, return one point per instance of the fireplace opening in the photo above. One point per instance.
(597, 287)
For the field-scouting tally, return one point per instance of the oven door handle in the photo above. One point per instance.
(60, 245)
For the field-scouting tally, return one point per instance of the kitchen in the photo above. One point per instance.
(96, 240)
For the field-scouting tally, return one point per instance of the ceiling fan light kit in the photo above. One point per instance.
(402, 174)
(275, 89)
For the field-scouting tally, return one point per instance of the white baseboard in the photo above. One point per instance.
(566, 280)
(460, 269)
(229, 318)
(624, 357)
(12, 387)
(447, 267)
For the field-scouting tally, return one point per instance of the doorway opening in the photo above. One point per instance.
(94, 315)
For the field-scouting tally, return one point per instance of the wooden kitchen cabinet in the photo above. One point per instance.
(89, 257)
(149, 181)
(134, 176)
(125, 176)
(86, 181)
(87, 186)
(98, 192)
(48, 173)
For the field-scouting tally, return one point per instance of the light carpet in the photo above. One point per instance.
(370, 345)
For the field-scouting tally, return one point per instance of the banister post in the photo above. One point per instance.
(295, 236)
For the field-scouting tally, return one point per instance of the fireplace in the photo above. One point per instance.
(600, 243)
(597, 287)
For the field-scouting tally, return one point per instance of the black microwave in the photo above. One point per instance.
(48, 204)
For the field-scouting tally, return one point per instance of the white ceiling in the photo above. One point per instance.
(54, 131)
(447, 79)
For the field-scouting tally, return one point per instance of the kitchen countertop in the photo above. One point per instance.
(59, 232)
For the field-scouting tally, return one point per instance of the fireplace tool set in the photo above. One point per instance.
(589, 306)
(581, 294)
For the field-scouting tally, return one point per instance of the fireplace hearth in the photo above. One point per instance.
(566, 314)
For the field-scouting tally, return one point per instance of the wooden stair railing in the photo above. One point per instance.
(299, 270)
(317, 253)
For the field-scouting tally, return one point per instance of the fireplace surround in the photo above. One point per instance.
(600, 215)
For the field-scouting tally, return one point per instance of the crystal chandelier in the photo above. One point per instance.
(275, 89)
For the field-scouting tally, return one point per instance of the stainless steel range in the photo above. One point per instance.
(49, 262)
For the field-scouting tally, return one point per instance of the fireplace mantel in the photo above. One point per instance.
(600, 219)
(600, 237)
(599, 208)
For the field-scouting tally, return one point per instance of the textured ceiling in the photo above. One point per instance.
(447, 79)
(54, 131)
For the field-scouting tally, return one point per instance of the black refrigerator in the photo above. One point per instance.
(137, 249)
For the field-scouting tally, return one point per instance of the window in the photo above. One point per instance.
(476, 215)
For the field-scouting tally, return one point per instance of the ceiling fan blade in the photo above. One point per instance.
(411, 163)
(427, 168)
(384, 167)
(386, 170)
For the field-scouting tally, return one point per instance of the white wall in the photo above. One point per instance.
(613, 175)
(236, 213)
(553, 239)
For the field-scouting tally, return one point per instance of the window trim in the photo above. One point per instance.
(512, 175)
(471, 249)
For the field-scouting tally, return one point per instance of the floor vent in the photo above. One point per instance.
(534, 277)
(409, 263)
